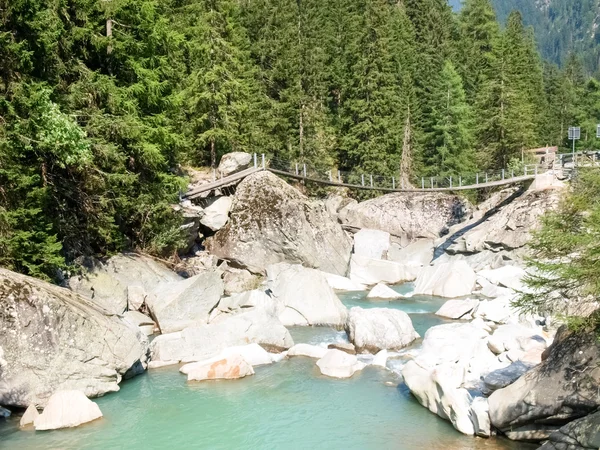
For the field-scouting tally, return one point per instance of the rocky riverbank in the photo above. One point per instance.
(269, 258)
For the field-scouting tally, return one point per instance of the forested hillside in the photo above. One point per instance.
(101, 103)
(561, 27)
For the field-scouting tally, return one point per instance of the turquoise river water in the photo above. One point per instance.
(287, 405)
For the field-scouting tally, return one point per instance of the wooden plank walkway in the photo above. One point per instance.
(221, 182)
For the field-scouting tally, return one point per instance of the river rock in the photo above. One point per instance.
(501, 378)
(375, 329)
(507, 276)
(311, 351)
(449, 280)
(206, 341)
(380, 359)
(136, 296)
(306, 295)
(239, 280)
(562, 388)
(511, 227)
(340, 283)
(242, 302)
(108, 283)
(408, 216)
(31, 413)
(419, 252)
(455, 309)
(518, 338)
(382, 291)
(335, 204)
(234, 162)
(216, 215)
(581, 434)
(181, 304)
(343, 346)
(145, 323)
(54, 339)
(372, 243)
(66, 409)
(338, 364)
(369, 271)
(253, 354)
(230, 368)
(271, 222)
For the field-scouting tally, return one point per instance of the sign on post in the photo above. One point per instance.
(598, 131)
(575, 133)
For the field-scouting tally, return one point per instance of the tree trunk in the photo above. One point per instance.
(406, 158)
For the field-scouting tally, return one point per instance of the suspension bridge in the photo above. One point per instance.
(387, 184)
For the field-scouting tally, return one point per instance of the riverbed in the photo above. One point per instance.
(286, 405)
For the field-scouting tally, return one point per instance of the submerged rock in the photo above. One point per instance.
(338, 364)
(306, 295)
(66, 409)
(450, 280)
(54, 339)
(375, 329)
(562, 388)
(271, 222)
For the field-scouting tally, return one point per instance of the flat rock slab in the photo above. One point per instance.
(67, 409)
(455, 309)
(384, 292)
(343, 346)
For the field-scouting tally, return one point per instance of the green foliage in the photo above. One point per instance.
(565, 259)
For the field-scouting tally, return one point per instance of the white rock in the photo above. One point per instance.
(232, 367)
(371, 243)
(217, 214)
(253, 354)
(135, 297)
(67, 409)
(31, 413)
(181, 304)
(339, 364)
(311, 351)
(455, 309)
(419, 252)
(376, 329)
(380, 359)
(455, 279)
(244, 301)
(480, 417)
(508, 276)
(306, 295)
(239, 280)
(234, 162)
(340, 283)
(372, 271)
(382, 291)
(497, 310)
(145, 323)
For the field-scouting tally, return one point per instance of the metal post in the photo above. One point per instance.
(214, 175)
(393, 183)
(573, 153)
(525, 171)
(535, 172)
(503, 174)
(459, 181)
(255, 162)
(486, 177)
(304, 170)
(431, 181)
(401, 183)
(371, 180)
(450, 181)
(263, 161)
(296, 168)
(422, 183)
(362, 179)
(339, 177)
(330, 177)
(477, 178)
(512, 173)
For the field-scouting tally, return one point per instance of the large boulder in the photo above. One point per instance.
(511, 227)
(375, 329)
(145, 323)
(306, 295)
(408, 216)
(340, 283)
(108, 284)
(339, 364)
(181, 304)
(229, 368)
(510, 277)
(372, 243)
(455, 279)
(206, 341)
(234, 162)
(239, 280)
(66, 409)
(562, 388)
(271, 222)
(581, 434)
(54, 339)
(419, 252)
(368, 271)
(243, 302)
(217, 213)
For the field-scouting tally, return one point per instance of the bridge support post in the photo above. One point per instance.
(296, 168)
(486, 177)
(255, 162)
(371, 180)
(512, 173)
(503, 174)
(330, 176)
(459, 181)
(525, 171)
(263, 161)
(422, 183)
(362, 179)
(304, 170)
(431, 181)
(339, 177)
(450, 181)
(477, 178)
(393, 183)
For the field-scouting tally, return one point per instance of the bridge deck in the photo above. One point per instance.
(221, 182)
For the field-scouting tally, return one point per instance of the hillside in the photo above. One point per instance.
(561, 27)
